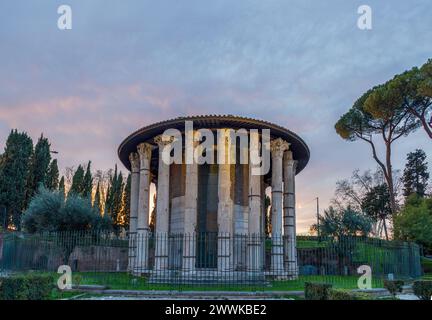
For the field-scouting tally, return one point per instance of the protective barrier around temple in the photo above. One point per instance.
(208, 260)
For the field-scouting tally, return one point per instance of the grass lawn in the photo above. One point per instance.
(124, 281)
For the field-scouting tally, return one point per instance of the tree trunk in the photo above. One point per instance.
(426, 126)
(389, 179)
(385, 228)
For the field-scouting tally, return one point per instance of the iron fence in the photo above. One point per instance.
(207, 260)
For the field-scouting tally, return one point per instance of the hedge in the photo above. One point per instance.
(423, 289)
(393, 286)
(317, 291)
(28, 287)
(341, 294)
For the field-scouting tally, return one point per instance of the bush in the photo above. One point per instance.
(30, 287)
(423, 289)
(317, 291)
(340, 294)
(393, 286)
(426, 265)
(49, 211)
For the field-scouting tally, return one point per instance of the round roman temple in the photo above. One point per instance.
(212, 221)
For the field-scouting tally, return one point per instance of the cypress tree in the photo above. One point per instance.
(14, 176)
(61, 187)
(415, 177)
(87, 186)
(126, 202)
(52, 181)
(97, 200)
(40, 162)
(77, 181)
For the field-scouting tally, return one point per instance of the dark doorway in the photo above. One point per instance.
(207, 216)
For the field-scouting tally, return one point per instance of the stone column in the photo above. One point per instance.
(162, 208)
(190, 215)
(289, 215)
(144, 151)
(133, 219)
(225, 207)
(254, 223)
(278, 147)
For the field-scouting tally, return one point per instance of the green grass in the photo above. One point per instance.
(124, 281)
(59, 295)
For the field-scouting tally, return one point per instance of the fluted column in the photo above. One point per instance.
(254, 223)
(190, 215)
(225, 206)
(278, 147)
(144, 151)
(289, 215)
(162, 207)
(134, 195)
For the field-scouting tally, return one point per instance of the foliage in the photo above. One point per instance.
(62, 187)
(379, 112)
(416, 175)
(415, 86)
(343, 294)
(49, 211)
(126, 201)
(114, 200)
(414, 222)
(426, 264)
(77, 186)
(26, 287)
(52, 179)
(376, 204)
(393, 286)
(343, 222)
(423, 289)
(87, 183)
(317, 291)
(40, 163)
(14, 174)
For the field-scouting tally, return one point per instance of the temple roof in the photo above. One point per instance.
(299, 148)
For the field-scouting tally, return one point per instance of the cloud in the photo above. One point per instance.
(300, 64)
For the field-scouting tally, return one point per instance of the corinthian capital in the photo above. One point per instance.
(163, 140)
(278, 147)
(134, 161)
(144, 150)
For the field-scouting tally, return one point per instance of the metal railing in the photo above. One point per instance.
(182, 261)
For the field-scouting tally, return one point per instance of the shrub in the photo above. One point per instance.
(317, 291)
(49, 211)
(423, 289)
(393, 286)
(340, 294)
(29, 287)
(426, 265)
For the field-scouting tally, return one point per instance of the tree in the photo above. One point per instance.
(339, 223)
(126, 202)
(416, 88)
(62, 187)
(414, 222)
(52, 180)
(77, 181)
(97, 206)
(416, 175)
(39, 166)
(49, 211)
(379, 113)
(114, 200)
(376, 204)
(87, 186)
(14, 175)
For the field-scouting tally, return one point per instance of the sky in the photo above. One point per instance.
(126, 64)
